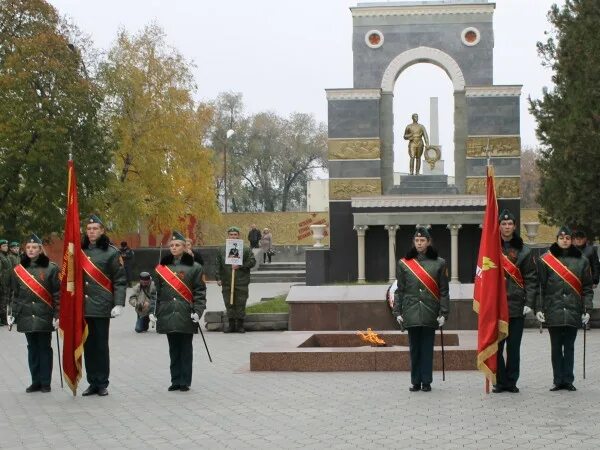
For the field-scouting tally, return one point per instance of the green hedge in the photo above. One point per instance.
(276, 305)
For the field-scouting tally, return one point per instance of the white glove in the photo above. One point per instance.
(540, 316)
(10, 320)
(526, 310)
(116, 311)
(585, 318)
(55, 323)
(195, 317)
(400, 320)
(152, 318)
(441, 320)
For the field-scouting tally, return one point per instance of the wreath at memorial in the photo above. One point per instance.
(432, 155)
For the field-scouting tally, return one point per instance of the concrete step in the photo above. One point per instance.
(400, 190)
(278, 278)
(282, 267)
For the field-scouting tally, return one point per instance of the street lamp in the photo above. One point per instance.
(229, 133)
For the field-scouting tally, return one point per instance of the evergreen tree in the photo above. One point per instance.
(568, 117)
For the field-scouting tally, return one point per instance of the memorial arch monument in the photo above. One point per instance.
(371, 218)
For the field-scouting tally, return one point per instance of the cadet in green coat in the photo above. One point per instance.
(5, 277)
(181, 294)
(421, 305)
(236, 313)
(104, 297)
(522, 290)
(566, 298)
(35, 310)
(14, 253)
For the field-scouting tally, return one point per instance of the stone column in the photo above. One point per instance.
(392, 250)
(360, 232)
(454, 252)
(386, 135)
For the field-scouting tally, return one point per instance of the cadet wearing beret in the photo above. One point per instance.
(181, 302)
(34, 309)
(236, 313)
(566, 298)
(13, 253)
(104, 289)
(520, 273)
(421, 305)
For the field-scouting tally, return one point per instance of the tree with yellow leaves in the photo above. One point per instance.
(161, 173)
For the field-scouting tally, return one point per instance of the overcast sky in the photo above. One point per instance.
(283, 54)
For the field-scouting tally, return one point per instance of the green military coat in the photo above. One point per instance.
(242, 275)
(30, 312)
(561, 305)
(173, 311)
(98, 301)
(413, 301)
(518, 297)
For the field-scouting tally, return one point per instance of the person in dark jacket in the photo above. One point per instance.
(127, 256)
(254, 236)
(35, 306)
(6, 268)
(421, 305)
(181, 303)
(566, 298)
(520, 273)
(589, 251)
(195, 253)
(104, 289)
(236, 313)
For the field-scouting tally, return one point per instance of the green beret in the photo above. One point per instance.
(233, 229)
(94, 219)
(506, 215)
(177, 236)
(3, 241)
(34, 239)
(563, 231)
(13, 244)
(422, 232)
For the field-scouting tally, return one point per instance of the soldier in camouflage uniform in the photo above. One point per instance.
(236, 313)
(5, 277)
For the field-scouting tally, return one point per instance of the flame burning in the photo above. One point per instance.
(370, 337)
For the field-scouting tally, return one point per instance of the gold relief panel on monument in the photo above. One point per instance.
(353, 148)
(506, 187)
(498, 145)
(345, 189)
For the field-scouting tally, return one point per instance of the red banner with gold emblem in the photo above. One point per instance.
(489, 297)
(72, 321)
(423, 276)
(563, 271)
(34, 285)
(173, 280)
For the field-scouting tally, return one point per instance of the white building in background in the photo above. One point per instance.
(317, 195)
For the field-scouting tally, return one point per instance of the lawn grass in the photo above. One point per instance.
(277, 305)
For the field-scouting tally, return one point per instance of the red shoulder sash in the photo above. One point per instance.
(513, 271)
(422, 275)
(563, 271)
(96, 274)
(34, 285)
(173, 280)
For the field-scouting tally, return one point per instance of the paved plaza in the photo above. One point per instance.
(230, 407)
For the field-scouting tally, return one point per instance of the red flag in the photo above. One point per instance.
(489, 297)
(72, 322)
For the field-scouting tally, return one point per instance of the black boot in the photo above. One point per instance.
(230, 328)
(239, 326)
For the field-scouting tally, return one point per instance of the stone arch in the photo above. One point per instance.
(422, 55)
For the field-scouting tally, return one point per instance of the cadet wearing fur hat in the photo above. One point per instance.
(520, 273)
(181, 303)
(104, 297)
(421, 305)
(236, 312)
(566, 285)
(34, 309)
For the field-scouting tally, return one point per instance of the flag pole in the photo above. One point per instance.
(59, 363)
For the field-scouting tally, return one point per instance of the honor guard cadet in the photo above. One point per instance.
(520, 273)
(104, 297)
(566, 298)
(5, 277)
(181, 303)
(14, 253)
(236, 313)
(34, 309)
(421, 305)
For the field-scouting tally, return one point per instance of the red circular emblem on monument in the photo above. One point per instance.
(374, 39)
